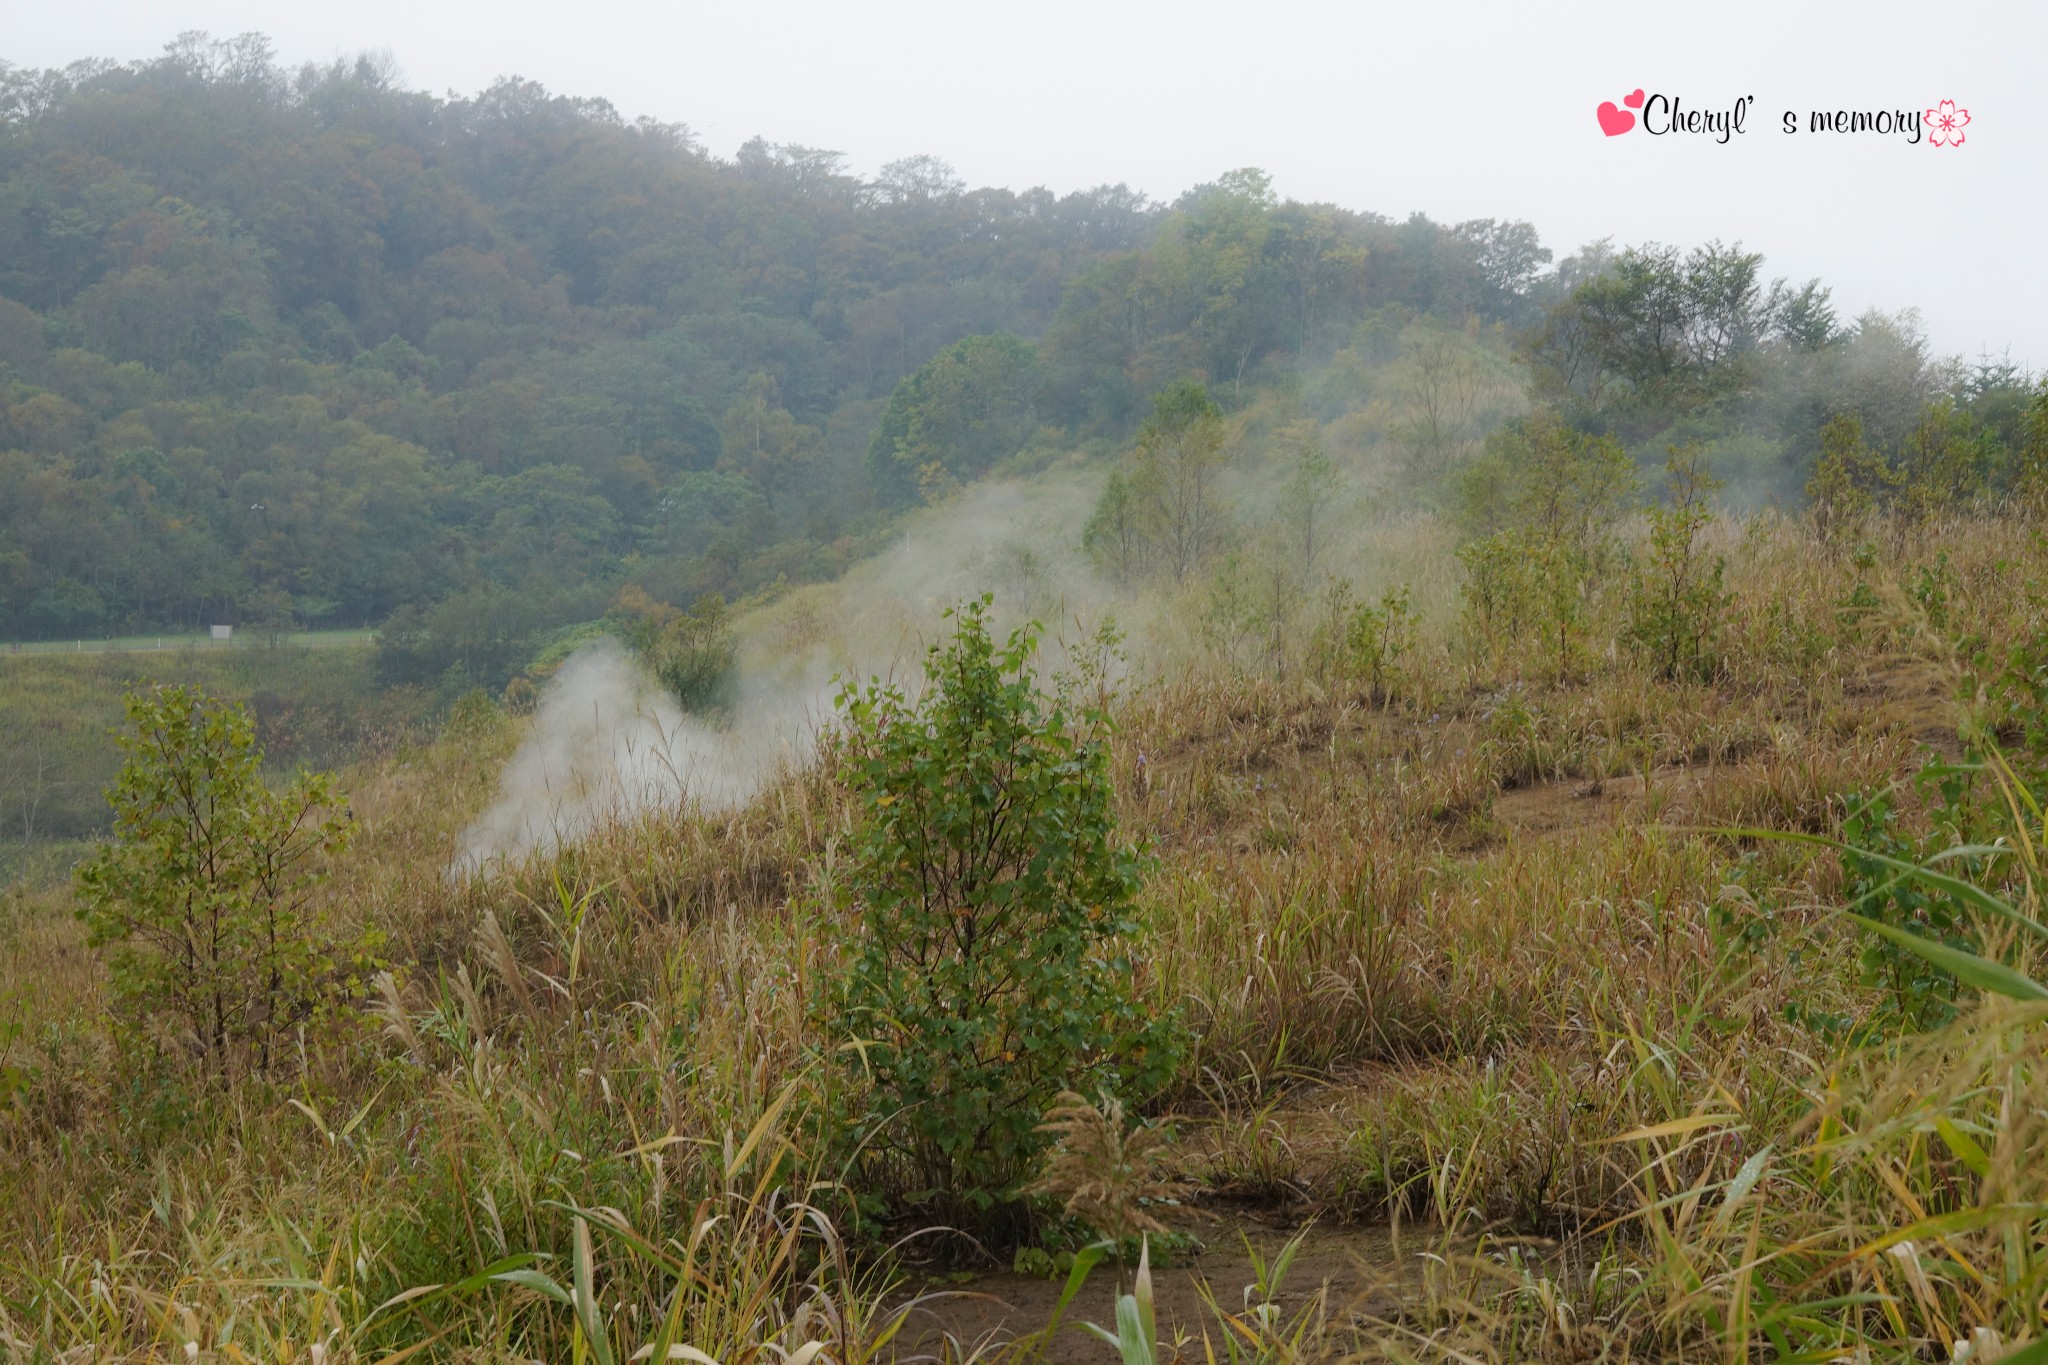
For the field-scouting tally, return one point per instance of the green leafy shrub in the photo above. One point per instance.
(1538, 510)
(1166, 512)
(205, 891)
(1935, 590)
(1500, 588)
(1920, 995)
(2013, 675)
(474, 715)
(1524, 583)
(1857, 610)
(521, 697)
(1364, 642)
(992, 965)
(971, 406)
(1849, 479)
(1676, 599)
(1247, 622)
(690, 652)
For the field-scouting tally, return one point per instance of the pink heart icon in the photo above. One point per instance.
(1615, 121)
(1635, 101)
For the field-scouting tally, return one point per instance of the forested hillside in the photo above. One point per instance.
(308, 348)
(304, 343)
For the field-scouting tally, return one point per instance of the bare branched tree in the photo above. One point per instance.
(1443, 387)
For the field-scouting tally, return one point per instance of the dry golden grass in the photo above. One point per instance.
(1433, 956)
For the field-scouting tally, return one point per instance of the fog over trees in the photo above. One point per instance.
(307, 346)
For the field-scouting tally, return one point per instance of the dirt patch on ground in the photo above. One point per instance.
(1352, 1269)
(1914, 697)
(1670, 794)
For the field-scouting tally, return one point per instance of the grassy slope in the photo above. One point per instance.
(59, 711)
(151, 644)
(1436, 953)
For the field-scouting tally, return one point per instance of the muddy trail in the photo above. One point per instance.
(1339, 1271)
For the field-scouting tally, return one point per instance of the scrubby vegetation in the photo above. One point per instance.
(1540, 962)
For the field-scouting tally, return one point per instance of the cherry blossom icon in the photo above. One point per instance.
(1945, 124)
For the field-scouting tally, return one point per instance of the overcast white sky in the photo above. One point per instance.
(1460, 110)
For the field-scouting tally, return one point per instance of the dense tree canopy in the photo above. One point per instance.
(309, 333)
(964, 409)
(1652, 344)
(308, 346)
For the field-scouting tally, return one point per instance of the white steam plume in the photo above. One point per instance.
(609, 743)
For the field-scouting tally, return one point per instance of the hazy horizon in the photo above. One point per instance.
(1494, 118)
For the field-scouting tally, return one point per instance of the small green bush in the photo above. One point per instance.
(1849, 479)
(1538, 510)
(1676, 598)
(1360, 642)
(1916, 993)
(992, 967)
(691, 652)
(205, 891)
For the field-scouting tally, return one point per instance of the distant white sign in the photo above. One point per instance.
(222, 633)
